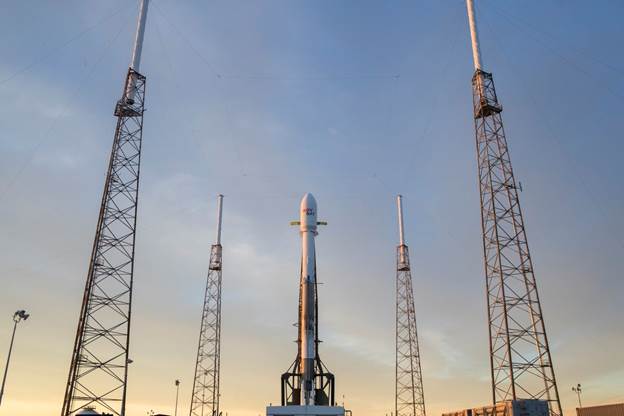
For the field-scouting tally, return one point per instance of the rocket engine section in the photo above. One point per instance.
(307, 382)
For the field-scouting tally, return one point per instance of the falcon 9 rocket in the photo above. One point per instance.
(307, 294)
(307, 383)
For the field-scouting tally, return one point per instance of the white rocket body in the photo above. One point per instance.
(307, 318)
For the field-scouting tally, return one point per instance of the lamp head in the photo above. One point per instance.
(20, 315)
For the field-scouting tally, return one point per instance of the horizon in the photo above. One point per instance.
(355, 102)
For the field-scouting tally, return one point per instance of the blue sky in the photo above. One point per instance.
(354, 101)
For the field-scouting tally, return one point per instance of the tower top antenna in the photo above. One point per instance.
(400, 209)
(135, 63)
(474, 35)
(219, 217)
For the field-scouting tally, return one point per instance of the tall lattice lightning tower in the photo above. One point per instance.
(205, 398)
(99, 366)
(409, 393)
(520, 359)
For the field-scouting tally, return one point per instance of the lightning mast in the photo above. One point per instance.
(205, 398)
(409, 394)
(520, 359)
(99, 366)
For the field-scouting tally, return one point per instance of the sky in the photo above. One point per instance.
(354, 101)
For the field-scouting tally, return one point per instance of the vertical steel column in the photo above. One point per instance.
(205, 396)
(409, 393)
(99, 366)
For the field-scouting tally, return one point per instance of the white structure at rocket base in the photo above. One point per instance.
(307, 316)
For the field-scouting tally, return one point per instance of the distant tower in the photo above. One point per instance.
(520, 358)
(99, 365)
(409, 398)
(205, 399)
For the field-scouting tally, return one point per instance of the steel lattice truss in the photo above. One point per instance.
(520, 358)
(205, 399)
(99, 366)
(409, 399)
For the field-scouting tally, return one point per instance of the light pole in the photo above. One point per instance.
(177, 384)
(577, 390)
(17, 317)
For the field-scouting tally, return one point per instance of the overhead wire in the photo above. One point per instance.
(311, 77)
(174, 29)
(547, 121)
(39, 143)
(165, 53)
(264, 77)
(452, 43)
(63, 45)
(187, 41)
(571, 63)
(394, 77)
(445, 69)
(509, 16)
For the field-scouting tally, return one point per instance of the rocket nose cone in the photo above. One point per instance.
(308, 201)
(308, 212)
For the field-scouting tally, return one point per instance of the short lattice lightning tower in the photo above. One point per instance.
(205, 399)
(520, 359)
(99, 366)
(409, 397)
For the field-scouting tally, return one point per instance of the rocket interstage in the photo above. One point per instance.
(307, 382)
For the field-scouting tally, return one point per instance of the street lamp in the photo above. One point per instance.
(18, 316)
(577, 390)
(177, 384)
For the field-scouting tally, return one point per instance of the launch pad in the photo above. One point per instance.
(311, 410)
(323, 384)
